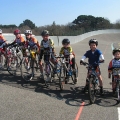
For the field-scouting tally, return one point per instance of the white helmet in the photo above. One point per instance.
(0, 31)
(28, 32)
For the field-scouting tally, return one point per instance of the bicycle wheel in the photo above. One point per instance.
(47, 74)
(12, 65)
(118, 91)
(2, 62)
(62, 77)
(75, 74)
(92, 90)
(27, 68)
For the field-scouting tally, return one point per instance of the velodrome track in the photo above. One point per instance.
(32, 101)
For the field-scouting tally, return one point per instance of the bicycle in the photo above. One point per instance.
(92, 82)
(29, 64)
(116, 77)
(49, 69)
(66, 71)
(13, 59)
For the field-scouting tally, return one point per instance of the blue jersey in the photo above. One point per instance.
(93, 57)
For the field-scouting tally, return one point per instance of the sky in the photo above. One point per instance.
(44, 12)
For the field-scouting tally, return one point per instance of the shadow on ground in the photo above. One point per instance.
(71, 95)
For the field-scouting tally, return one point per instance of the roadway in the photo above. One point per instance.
(33, 101)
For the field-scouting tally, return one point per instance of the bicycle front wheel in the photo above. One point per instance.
(92, 90)
(47, 74)
(12, 65)
(62, 77)
(2, 62)
(27, 69)
(75, 74)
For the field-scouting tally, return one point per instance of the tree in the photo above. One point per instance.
(28, 23)
(92, 23)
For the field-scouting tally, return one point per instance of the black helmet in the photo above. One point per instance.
(116, 50)
(45, 32)
(93, 41)
(64, 41)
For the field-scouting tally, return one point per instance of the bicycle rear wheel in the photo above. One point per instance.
(92, 90)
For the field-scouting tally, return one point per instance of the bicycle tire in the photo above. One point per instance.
(12, 68)
(118, 91)
(62, 77)
(47, 75)
(26, 69)
(91, 90)
(2, 61)
(75, 74)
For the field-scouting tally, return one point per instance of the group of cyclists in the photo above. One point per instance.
(94, 55)
(42, 48)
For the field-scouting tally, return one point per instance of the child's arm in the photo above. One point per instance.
(110, 66)
(83, 58)
(61, 52)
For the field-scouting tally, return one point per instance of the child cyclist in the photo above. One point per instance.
(19, 40)
(31, 41)
(46, 46)
(94, 58)
(30, 44)
(114, 63)
(3, 43)
(67, 51)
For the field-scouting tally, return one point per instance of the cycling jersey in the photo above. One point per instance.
(47, 44)
(114, 64)
(66, 51)
(19, 40)
(33, 41)
(93, 57)
(2, 42)
(2, 39)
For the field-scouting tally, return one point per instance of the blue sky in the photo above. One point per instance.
(44, 12)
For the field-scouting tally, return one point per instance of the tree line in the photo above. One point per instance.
(82, 24)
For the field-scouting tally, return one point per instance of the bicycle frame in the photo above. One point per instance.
(63, 62)
(92, 73)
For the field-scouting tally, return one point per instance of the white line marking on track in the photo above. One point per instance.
(118, 113)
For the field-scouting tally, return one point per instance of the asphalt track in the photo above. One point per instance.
(33, 101)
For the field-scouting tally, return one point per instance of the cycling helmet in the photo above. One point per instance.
(17, 31)
(65, 41)
(93, 41)
(28, 32)
(45, 32)
(115, 50)
(0, 31)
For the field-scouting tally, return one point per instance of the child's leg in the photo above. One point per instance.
(73, 63)
(100, 79)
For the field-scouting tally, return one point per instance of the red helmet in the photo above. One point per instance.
(17, 32)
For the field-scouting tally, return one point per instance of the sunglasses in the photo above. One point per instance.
(27, 34)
